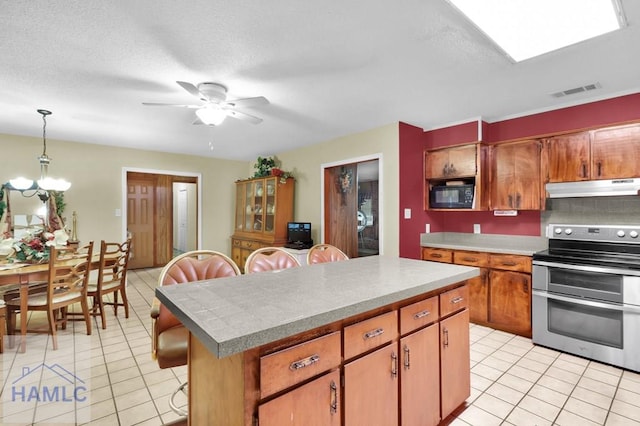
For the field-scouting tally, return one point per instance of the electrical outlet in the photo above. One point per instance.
(476, 228)
(407, 213)
(427, 228)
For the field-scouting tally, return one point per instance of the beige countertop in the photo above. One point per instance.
(231, 315)
(494, 243)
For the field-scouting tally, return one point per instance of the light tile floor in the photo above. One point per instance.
(513, 382)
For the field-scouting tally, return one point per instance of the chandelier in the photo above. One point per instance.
(42, 186)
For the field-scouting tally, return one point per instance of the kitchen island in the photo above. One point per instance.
(263, 345)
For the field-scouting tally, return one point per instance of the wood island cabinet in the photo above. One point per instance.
(404, 364)
(264, 206)
(500, 297)
(516, 180)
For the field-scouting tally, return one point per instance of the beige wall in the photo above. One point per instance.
(96, 175)
(95, 172)
(306, 165)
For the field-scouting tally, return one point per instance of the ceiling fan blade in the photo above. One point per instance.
(244, 117)
(191, 89)
(248, 102)
(171, 105)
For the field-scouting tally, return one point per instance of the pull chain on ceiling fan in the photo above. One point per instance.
(216, 107)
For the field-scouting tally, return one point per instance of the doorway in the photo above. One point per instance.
(350, 207)
(154, 216)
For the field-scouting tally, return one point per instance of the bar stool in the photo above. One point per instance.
(3, 324)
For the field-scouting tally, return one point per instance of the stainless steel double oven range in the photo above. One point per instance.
(586, 293)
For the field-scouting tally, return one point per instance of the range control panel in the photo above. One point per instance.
(611, 233)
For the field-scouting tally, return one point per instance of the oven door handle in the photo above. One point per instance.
(587, 268)
(584, 302)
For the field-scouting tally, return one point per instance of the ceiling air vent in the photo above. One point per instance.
(585, 88)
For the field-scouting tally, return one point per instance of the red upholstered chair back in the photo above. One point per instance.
(192, 266)
(270, 259)
(322, 253)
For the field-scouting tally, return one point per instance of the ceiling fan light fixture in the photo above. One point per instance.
(211, 115)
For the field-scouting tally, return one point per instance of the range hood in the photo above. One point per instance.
(594, 188)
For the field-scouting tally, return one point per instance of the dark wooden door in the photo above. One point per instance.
(341, 208)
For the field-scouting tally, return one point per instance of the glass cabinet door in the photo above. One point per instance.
(248, 206)
(240, 207)
(258, 206)
(270, 204)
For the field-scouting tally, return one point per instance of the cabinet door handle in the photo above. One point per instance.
(525, 286)
(584, 169)
(469, 259)
(518, 197)
(457, 300)
(394, 365)
(445, 169)
(296, 365)
(407, 362)
(333, 389)
(421, 314)
(508, 263)
(510, 200)
(452, 168)
(445, 338)
(436, 255)
(599, 163)
(373, 333)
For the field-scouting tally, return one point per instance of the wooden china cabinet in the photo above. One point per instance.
(264, 206)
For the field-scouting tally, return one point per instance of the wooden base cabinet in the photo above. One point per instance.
(315, 403)
(501, 296)
(420, 377)
(371, 388)
(455, 382)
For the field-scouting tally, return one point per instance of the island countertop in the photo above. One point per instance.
(231, 315)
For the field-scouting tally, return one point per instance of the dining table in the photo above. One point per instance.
(25, 275)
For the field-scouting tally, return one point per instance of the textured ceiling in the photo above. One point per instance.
(328, 69)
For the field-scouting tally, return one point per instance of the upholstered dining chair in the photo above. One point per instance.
(111, 279)
(67, 281)
(322, 253)
(269, 259)
(169, 340)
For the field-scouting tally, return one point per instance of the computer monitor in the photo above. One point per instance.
(299, 233)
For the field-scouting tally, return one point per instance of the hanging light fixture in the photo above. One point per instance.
(211, 114)
(42, 186)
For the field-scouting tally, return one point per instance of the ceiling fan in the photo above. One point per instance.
(216, 107)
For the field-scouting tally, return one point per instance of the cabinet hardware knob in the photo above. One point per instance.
(421, 314)
(469, 259)
(510, 200)
(436, 255)
(296, 365)
(584, 169)
(407, 362)
(334, 397)
(373, 333)
(457, 300)
(445, 339)
(509, 263)
(394, 365)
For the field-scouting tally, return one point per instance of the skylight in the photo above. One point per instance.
(527, 28)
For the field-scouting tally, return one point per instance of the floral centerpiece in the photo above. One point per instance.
(268, 166)
(33, 247)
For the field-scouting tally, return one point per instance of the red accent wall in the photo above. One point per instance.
(414, 140)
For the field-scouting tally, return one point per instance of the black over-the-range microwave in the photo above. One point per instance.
(451, 196)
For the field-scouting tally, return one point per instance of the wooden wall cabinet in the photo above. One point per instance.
(592, 155)
(516, 180)
(264, 206)
(501, 296)
(457, 163)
